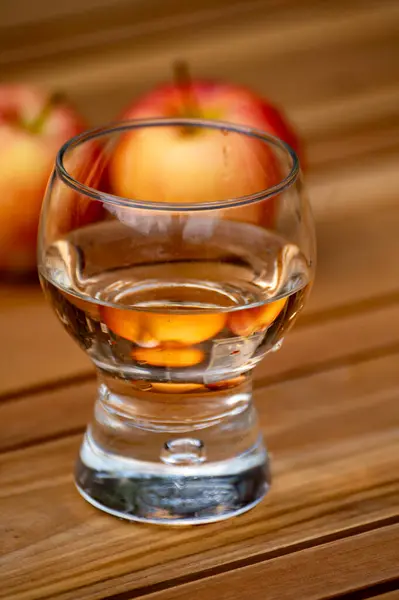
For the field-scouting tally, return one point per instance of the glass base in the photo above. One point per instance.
(185, 496)
(173, 474)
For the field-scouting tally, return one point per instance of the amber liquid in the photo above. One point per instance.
(207, 349)
(193, 323)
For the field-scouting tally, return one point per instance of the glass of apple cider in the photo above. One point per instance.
(177, 253)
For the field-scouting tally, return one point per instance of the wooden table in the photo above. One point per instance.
(328, 401)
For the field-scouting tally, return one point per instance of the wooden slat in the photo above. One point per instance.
(316, 34)
(347, 564)
(58, 412)
(43, 30)
(38, 350)
(355, 189)
(355, 256)
(335, 473)
(19, 12)
(49, 414)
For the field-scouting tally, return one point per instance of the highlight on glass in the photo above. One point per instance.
(177, 253)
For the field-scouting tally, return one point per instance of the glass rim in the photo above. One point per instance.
(132, 124)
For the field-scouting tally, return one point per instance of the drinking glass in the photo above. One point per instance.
(177, 253)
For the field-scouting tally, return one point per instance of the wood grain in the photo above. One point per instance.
(349, 564)
(335, 472)
(38, 350)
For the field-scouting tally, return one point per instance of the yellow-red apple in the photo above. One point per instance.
(215, 100)
(166, 164)
(33, 126)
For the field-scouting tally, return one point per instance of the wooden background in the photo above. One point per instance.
(328, 401)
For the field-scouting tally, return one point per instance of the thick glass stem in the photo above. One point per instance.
(174, 458)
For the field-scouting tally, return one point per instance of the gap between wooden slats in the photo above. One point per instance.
(361, 560)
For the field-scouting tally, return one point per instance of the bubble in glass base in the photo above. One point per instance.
(179, 495)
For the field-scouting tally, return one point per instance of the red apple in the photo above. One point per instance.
(33, 126)
(221, 101)
(177, 165)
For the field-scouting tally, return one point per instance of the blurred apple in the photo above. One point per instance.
(200, 165)
(33, 126)
(214, 100)
(70, 209)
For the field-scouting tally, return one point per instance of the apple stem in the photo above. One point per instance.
(184, 83)
(36, 125)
